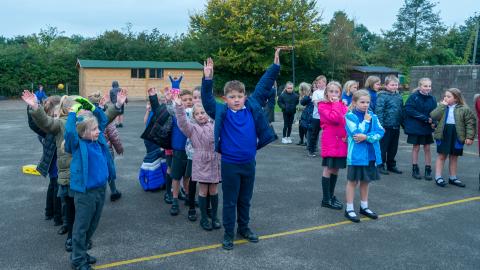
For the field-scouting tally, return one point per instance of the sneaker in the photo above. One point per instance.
(284, 140)
(312, 155)
(289, 140)
(227, 241)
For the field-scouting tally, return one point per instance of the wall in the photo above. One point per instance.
(92, 80)
(464, 77)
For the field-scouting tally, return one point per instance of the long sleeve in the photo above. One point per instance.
(33, 126)
(183, 123)
(470, 125)
(113, 137)
(380, 109)
(411, 110)
(438, 112)
(376, 133)
(332, 113)
(45, 122)
(353, 127)
(281, 102)
(265, 84)
(208, 100)
(71, 135)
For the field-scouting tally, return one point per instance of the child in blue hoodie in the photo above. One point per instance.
(90, 169)
(241, 128)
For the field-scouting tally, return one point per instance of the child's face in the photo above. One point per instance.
(377, 86)
(197, 99)
(92, 133)
(162, 99)
(187, 101)
(200, 116)
(235, 100)
(321, 84)
(289, 88)
(363, 103)
(392, 86)
(449, 98)
(426, 87)
(333, 93)
(353, 88)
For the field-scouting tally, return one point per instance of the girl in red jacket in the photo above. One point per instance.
(334, 146)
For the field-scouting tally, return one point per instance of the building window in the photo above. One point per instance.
(156, 73)
(138, 73)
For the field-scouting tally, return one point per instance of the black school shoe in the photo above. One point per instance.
(206, 224)
(371, 215)
(175, 209)
(456, 182)
(91, 259)
(82, 267)
(354, 219)
(192, 215)
(331, 205)
(167, 198)
(216, 224)
(440, 182)
(68, 245)
(381, 170)
(63, 230)
(394, 170)
(227, 241)
(248, 235)
(115, 196)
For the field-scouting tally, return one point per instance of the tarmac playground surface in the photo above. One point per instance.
(421, 226)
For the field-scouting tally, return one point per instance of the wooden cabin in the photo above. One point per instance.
(361, 73)
(136, 76)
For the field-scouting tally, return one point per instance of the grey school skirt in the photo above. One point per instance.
(363, 173)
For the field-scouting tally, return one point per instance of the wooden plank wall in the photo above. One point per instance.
(92, 80)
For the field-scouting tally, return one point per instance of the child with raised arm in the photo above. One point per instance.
(419, 125)
(240, 130)
(334, 142)
(364, 133)
(456, 127)
(205, 161)
(175, 81)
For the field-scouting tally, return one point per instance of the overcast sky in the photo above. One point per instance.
(92, 17)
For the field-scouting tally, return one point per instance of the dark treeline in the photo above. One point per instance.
(240, 36)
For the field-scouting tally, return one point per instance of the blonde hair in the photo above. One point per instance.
(331, 84)
(422, 80)
(196, 107)
(356, 96)
(371, 80)
(85, 122)
(391, 78)
(305, 89)
(50, 104)
(66, 102)
(349, 85)
(95, 97)
(457, 94)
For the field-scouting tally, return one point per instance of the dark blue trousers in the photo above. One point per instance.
(237, 186)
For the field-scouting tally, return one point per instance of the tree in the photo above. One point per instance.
(241, 35)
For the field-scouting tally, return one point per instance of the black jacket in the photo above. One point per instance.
(49, 147)
(288, 102)
(417, 112)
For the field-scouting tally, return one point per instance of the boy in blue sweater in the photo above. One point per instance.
(240, 130)
(90, 168)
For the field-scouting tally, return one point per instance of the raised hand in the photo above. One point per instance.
(152, 91)
(208, 68)
(276, 59)
(121, 97)
(367, 117)
(178, 101)
(30, 99)
(86, 104)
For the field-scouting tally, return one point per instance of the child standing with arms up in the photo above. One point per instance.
(389, 111)
(205, 161)
(456, 127)
(334, 142)
(288, 101)
(240, 130)
(419, 125)
(364, 134)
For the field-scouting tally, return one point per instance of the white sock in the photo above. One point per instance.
(364, 204)
(452, 177)
(349, 207)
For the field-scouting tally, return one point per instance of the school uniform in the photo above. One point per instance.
(417, 114)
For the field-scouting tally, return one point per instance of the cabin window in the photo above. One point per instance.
(156, 73)
(138, 73)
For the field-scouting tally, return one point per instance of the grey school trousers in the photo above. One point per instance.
(88, 209)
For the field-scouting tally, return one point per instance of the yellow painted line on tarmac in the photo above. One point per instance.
(282, 234)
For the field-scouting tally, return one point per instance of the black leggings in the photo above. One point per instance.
(69, 214)
(287, 123)
(302, 132)
(313, 138)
